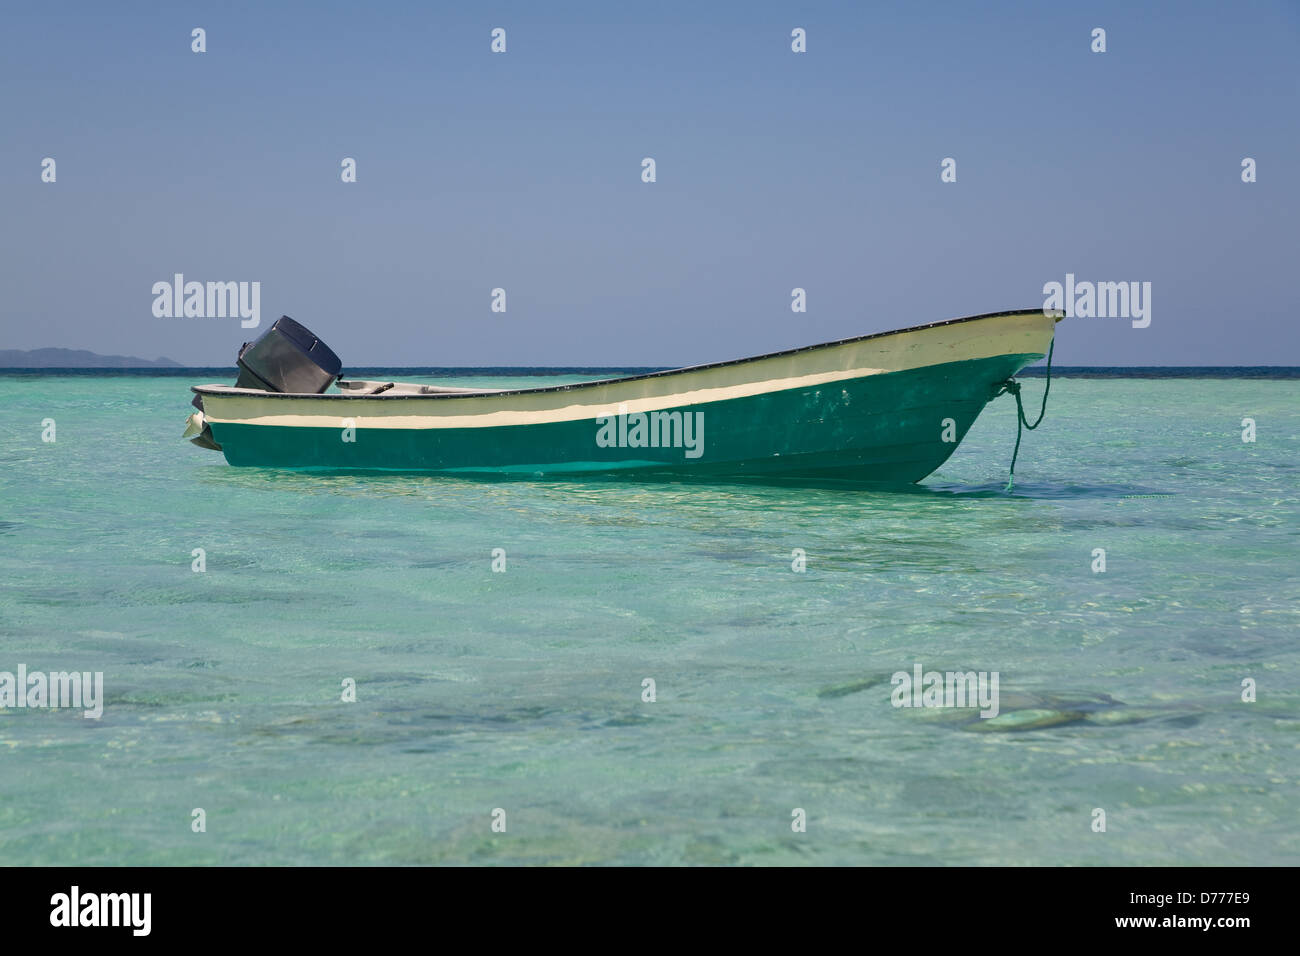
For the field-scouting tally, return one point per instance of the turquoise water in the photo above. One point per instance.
(523, 690)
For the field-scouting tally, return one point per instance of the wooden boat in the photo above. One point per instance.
(889, 407)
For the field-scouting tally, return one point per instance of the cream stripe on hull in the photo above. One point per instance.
(1017, 333)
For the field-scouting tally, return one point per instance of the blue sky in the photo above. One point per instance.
(775, 170)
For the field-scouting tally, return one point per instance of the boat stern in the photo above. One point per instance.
(287, 357)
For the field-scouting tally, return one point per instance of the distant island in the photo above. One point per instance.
(76, 358)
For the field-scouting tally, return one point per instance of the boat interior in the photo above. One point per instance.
(365, 387)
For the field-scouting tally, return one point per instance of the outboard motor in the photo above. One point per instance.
(287, 357)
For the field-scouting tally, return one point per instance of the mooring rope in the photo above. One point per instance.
(1013, 387)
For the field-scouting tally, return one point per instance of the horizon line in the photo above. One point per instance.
(174, 370)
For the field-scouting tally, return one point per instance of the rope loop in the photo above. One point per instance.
(1012, 387)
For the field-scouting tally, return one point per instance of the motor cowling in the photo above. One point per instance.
(288, 357)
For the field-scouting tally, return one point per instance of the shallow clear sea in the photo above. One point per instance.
(1120, 690)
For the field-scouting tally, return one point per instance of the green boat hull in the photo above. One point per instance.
(895, 427)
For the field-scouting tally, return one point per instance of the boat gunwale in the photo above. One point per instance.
(228, 391)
